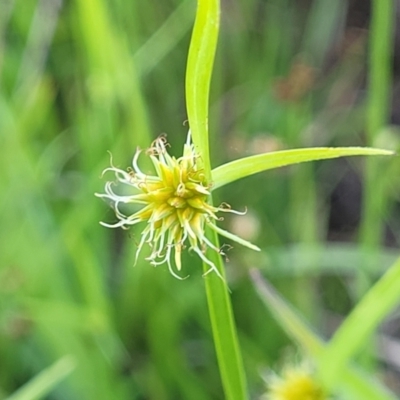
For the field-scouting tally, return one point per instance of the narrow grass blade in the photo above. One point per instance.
(380, 85)
(355, 384)
(45, 381)
(235, 238)
(243, 167)
(198, 74)
(380, 62)
(360, 324)
(287, 316)
(304, 260)
(165, 39)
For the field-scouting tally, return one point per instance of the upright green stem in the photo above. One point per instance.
(224, 330)
(380, 65)
(198, 76)
(378, 108)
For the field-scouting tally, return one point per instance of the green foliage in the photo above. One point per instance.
(361, 323)
(44, 382)
(350, 382)
(81, 78)
(242, 168)
(198, 77)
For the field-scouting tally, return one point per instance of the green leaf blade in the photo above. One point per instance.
(354, 383)
(361, 323)
(198, 74)
(247, 166)
(45, 381)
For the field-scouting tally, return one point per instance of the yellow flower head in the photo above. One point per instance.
(295, 384)
(174, 205)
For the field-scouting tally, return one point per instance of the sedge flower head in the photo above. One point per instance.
(295, 384)
(174, 204)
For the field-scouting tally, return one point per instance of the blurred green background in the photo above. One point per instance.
(79, 78)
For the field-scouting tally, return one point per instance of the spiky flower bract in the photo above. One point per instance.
(175, 205)
(295, 384)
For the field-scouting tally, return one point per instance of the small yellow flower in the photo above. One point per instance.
(295, 384)
(174, 205)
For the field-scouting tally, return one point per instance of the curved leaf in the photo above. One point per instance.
(361, 323)
(243, 167)
(352, 381)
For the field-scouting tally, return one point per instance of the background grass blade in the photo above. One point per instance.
(166, 37)
(352, 383)
(43, 383)
(360, 324)
(377, 118)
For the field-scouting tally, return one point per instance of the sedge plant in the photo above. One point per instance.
(175, 207)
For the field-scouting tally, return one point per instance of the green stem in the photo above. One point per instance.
(198, 76)
(380, 60)
(224, 329)
(381, 53)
